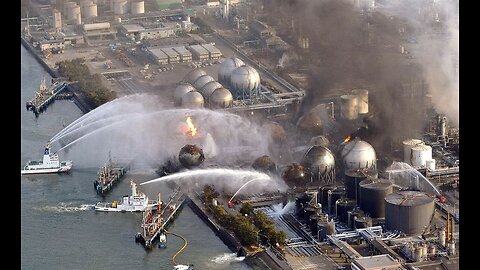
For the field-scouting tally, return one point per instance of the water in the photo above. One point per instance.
(59, 230)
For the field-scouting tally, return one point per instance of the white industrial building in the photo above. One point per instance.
(158, 56)
(185, 55)
(199, 53)
(213, 52)
(138, 32)
(378, 262)
(173, 56)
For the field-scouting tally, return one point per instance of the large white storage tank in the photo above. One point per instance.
(138, 7)
(96, 26)
(90, 11)
(362, 100)
(120, 7)
(348, 107)
(420, 155)
(73, 11)
(407, 149)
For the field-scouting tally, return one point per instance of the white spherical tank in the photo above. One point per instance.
(120, 7)
(90, 11)
(407, 149)
(201, 81)
(192, 99)
(348, 107)
(208, 89)
(181, 90)
(362, 100)
(221, 98)
(137, 7)
(358, 154)
(244, 82)
(420, 155)
(193, 75)
(226, 68)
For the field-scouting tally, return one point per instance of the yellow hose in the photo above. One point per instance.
(185, 244)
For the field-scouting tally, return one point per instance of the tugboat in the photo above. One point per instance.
(163, 241)
(49, 164)
(137, 202)
(108, 175)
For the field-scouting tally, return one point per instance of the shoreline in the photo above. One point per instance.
(79, 99)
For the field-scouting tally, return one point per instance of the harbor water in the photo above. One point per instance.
(60, 229)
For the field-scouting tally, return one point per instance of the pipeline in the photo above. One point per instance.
(185, 244)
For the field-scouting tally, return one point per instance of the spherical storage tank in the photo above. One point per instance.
(202, 80)
(181, 90)
(244, 82)
(408, 211)
(138, 7)
(264, 164)
(191, 155)
(407, 149)
(208, 89)
(193, 75)
(310, 123)
(294, 174)
(192, 99)
(420, 155)
(318, 161)
(221, 98)
(358, 154)
(320, 140)
(372, 196)
(226, 68)
(348, 107)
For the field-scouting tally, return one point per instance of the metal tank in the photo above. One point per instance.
(120, 7)
(96, 26)
(320, 140)
(137, 7)
(342, 207)
(90, 11)
(226, 68)
(407, 149)
(301, 201)
(84, 3)
(221, 98)
(372, 196)
(264, 164)
(193, 75)
(358, 154)
(181, 90)
(244, 82)
(408, 211)
(362, 222)
(294, 175)
(73, 11)
(357, 212)
(310, 123)
(362, 100)
(325, 228)
(202, 81)
(277, 132)
(348, 107)
(319, 163)
(334, 195)
(431, 164)
(208, 89)
(420, 155)
(191, 156)
(192, 99)
(352, 179)
(322, 196)
(67, 6)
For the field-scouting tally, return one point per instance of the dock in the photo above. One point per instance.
(45, 96)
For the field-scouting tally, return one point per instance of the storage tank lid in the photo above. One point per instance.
(422, 148)
(408, 198)
(375, 183)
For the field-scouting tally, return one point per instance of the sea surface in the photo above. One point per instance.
(59, 228)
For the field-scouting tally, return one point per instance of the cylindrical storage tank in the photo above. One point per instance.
(85, 3)
(120, 7)
(226, 68)
(443, 126)
(301, 201)
(192, 99)
(202, 81)
(431, 164)
(309, 211)
(342, 207)
(362, 222)
(221, 98)
(193, 75)
(362, 100)
(407, 149)
(424, 250)
(418, 254)
(244, 82)
(372, 196)
(321, 230)
(319, 162)
(330, 227)
(432, 250)
(322, 196)
(408, 211)
(67, 6)
(181, 90)
(420, 155)
(73, 12)
(358, 154)
(208, 89)
(96, 26)
(348, 107)
(333, 196)
(357, 212)
(312, 223)
(90, 11)
(451, 248)
(352, 179)
(442, 236)
(138, 7)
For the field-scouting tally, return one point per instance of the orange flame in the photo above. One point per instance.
(348, 138)
(193, 129)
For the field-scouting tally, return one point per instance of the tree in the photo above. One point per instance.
(247, 209)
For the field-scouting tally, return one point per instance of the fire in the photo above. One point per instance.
(191, 126)
(348, 138)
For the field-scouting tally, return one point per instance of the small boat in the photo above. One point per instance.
(163, 241)
(183, 267)
(137, 202)
(108, 176)
(49, 164)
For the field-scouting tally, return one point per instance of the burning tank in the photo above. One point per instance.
(311, 124)
(294, 175)
(264, 164)
(191, 156)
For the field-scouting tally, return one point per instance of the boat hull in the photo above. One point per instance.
(102, 208)
(45, 171)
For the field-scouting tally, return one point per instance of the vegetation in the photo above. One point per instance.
(249, 227)
(203, 28)
(90, 85)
